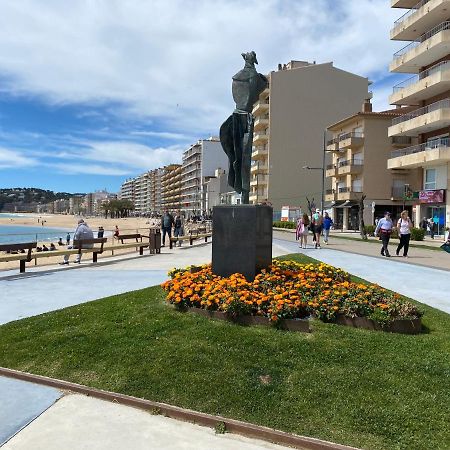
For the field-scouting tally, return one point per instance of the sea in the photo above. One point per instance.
(10, 234)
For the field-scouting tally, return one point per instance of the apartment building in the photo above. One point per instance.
(200, 162)
(171, 187)
(359, 150)
(290, 119)
(92, 203)
(127, 190)
(426, 27)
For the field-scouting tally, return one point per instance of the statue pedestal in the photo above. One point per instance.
(242, 240)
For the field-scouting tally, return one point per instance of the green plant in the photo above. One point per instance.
(220, 428)
(370, 230)
(288, 225)
(417, 234)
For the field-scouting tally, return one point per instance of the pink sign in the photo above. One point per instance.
(436, 196)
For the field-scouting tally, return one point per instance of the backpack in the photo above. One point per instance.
(177, 222)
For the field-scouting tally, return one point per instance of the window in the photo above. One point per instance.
(430, 179)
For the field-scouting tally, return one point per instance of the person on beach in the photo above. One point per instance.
(60, 242)
(166, 226)
(317, 223)
(52, 247)
(327, 224)
(82, 232)
(302, 231)
(44, 248)
(404, 226)
(100, 232)
(384, 227)
(116, 232)
(68, 239)
(178, 226)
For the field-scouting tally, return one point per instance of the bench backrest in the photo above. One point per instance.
(22, 246)
(88, 243)
(123, 237)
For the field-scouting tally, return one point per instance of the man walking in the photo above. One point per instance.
(385, 228)
(82, 232)
(166, 226)
(327, 224)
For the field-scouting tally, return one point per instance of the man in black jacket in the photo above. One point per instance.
(166, 226)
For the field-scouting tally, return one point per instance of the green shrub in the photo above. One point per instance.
(370, 230)
(417, 234)
(279, 224)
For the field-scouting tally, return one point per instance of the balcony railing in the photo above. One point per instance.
(439, 67)
(439, 143)
(409, 13)
(422, 111)
(332, 141)
(342, 190)
(437, 29)
(401, 140)
(330, 191)
(351, 162)
(353, 134)
(399, 191)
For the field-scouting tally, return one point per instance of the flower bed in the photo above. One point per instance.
(289, 290)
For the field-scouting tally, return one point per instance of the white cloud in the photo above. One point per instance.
(10, 159)
(174, 59)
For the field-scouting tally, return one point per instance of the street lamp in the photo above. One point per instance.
(322, 206)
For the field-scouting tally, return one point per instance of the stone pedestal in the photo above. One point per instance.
(242, 240)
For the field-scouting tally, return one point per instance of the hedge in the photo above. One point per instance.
(279, 224)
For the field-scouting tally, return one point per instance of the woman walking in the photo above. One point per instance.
(301, 231)
(317, 222)
(404, 226)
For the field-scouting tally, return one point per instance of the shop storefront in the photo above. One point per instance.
(432, 205)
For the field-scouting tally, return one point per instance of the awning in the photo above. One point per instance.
(348, 204)
(334, 204)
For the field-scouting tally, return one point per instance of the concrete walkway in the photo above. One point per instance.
(77, 422)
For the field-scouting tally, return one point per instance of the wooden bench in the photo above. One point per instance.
(191, 237)
(81, 243)
(138, 238)
(21, 257)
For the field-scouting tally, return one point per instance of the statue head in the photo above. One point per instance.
(250, 58)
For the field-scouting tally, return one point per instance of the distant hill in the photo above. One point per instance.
(19, 196)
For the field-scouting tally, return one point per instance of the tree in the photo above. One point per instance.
(362, 228)
(311, 206)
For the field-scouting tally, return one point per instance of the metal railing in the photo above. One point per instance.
(424, 37)
(401, 140)
(330, 191)
(342, 190)
(432, 145)
(439, 67)
(352, 134)
(331, 166)
(409, 13)
(445, 103)
(332, 141)
(351, 162)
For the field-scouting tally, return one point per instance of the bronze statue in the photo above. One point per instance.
(236, 133)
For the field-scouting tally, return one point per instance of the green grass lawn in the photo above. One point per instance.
(363, 388)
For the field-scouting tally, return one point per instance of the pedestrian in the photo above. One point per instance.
(68, 239)
(433, 227)
(116, 232)
(166, 226)
(302, 231)
(327, 224)
(100, 232)
(424, 224)
(82, 232)
(317, 224)
(384, 227)
(404, 226)
(178, 227)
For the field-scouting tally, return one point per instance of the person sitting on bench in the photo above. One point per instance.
(82, 232)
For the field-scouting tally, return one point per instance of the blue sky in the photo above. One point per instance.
(92, 93)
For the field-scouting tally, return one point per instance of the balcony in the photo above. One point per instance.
(401, 141)
(259, 180)
(350, 167)
(260, 107)
(333, 145)
(260, 153)
(331, 171)
(261, 123)
(330, 195)
(347, 193)
(420, 18)
(431, 46)
(260, 138)
(422, 120)
(259, 168)
(351, 140)
(429, 153)
(426, 84)
(403, 3)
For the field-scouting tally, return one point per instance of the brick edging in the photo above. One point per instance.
(175, 412)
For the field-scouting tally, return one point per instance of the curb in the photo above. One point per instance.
(187, 415)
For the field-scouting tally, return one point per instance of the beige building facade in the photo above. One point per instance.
(359, 150)
(426, 25)
(171, 187)
(290, 120)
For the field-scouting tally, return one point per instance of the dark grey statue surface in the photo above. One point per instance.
(236, 133)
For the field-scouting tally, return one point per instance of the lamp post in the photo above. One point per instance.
(322, 202)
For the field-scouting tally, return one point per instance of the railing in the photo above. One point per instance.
(351, 162)
(332, 141)
(342, 190)
(439, 143)
(422, 111)
(401, 140)
(398, 191)
(409, 13)
(439, 67)
(353, 134)
(330, 191)
(331, 166)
